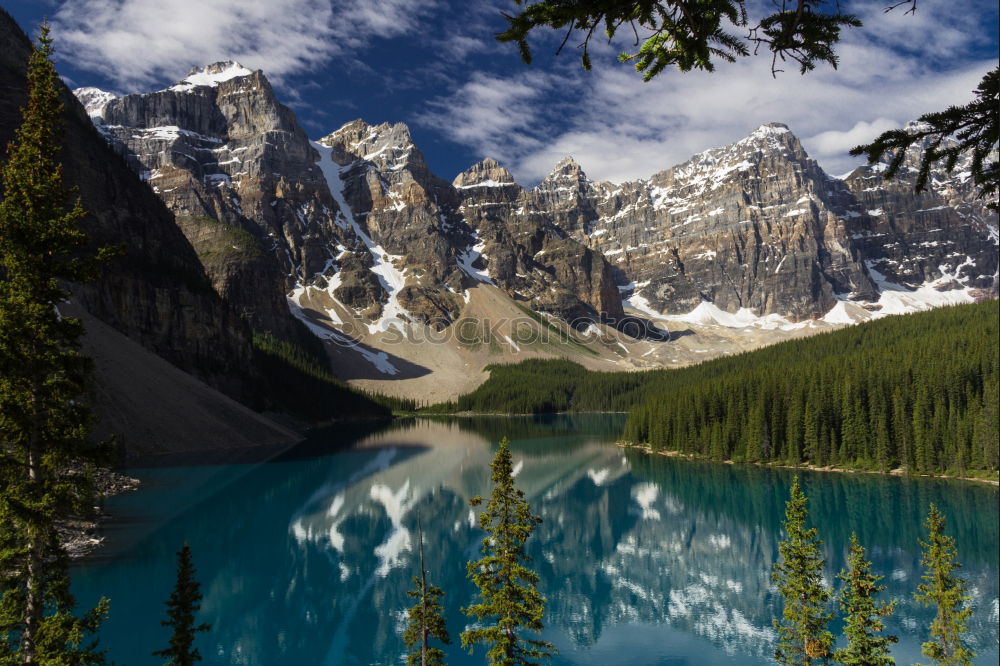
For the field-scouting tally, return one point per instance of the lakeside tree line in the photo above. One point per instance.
(845, 399)
(842, 398)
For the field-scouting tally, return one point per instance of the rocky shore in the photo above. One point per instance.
(80, 537)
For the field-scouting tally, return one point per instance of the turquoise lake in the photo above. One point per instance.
(644, 559)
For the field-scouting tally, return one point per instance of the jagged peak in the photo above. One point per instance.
(94, 100)
(916, 126)
(359, 131)
(566, 168)
(769, 135)
(771, 129)
(211, 75)
(388, 146)
(92, 91)
(486, 173)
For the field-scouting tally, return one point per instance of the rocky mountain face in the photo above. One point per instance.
(531, 256)
(357, 214)
(358, 222)
(401, 217)
(758, 225)
(156, 292)
(752, 225)
(443, 238)
(937, 235)
(238, 173)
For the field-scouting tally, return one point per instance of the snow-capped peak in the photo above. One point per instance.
(94, 100)
(771, 129)
(211, 75)
(486, 173)
(567, 170)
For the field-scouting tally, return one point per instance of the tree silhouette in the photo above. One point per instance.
(862, 616)
(425, 617)
(45, 457)
(184, 602)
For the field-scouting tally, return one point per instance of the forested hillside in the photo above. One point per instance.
(917, 391)
(544, 386)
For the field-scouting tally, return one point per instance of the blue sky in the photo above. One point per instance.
(434, 65)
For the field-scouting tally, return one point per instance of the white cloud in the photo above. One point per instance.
(626, 129)
(834, 143)
(140, 43)
(492, 113)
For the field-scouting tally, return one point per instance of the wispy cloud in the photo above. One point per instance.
(140, 43)
(620, 128)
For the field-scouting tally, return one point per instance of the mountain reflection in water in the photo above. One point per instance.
(644, 559)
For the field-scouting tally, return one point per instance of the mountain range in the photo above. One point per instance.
(236, 223)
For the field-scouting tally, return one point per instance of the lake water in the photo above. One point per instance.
(644, 559)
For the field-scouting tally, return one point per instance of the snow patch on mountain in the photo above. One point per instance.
(378, 359)
(383, 266)
(211, 75)
(468, 257)
(94, 100)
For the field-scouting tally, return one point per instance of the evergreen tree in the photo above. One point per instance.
(510, 599)
(45, 458)
(688, 34)
(973, 129)
(798, 573)
(943, 589)
(862, 616)
(426, 618)
(184, 602)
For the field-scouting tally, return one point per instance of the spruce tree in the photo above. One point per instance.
(184, 602)
(45, 458)
(862, 615)
(426, 619)
(798, 573)
(510, 600)
(943, 589)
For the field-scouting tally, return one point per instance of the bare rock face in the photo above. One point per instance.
(156, 292)
(946, 231)
(758, 225)
(529, 255)
(240, 175)
(403, 213)
(754, 225)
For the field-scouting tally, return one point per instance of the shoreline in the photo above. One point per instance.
(813, 468)
(79, 537)
(503, 414)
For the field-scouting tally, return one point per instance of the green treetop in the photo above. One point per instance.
(426, 619)
(862, 615)
(798, 573)
(510, 601)
(943, 589)
(689, 34)
(184, 602)
(948, 135)
(45, 458)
